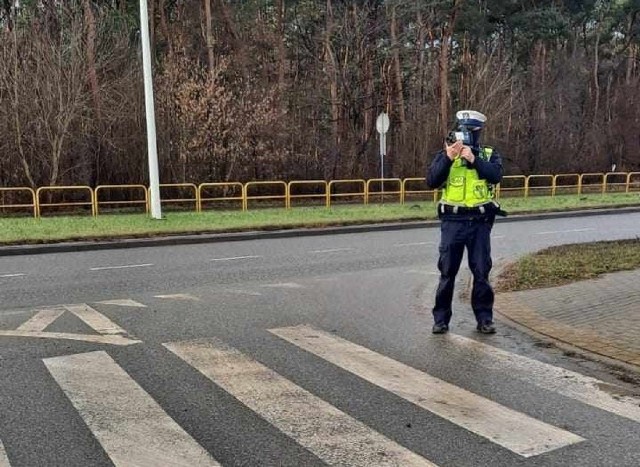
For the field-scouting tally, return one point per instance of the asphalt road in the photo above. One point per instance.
(298, 351)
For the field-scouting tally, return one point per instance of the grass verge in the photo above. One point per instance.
(65, 228)
(564, 264)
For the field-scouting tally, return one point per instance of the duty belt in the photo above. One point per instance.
(453, 209)
(487, 208)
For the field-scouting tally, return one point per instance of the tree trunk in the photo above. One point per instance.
(209, 34)
(164, 25)
(331, 70)
(90, 21)
(397, 73)
(16, 112)
(447, 34)
(596, 81)
(282, 55)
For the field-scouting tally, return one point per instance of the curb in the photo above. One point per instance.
(191, 239)
(566, 347)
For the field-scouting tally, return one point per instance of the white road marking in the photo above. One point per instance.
(128, 266)
(131, 427)
(41, 320)
(497, 236)
(95, 319)
(332, 250)
(13, 275)
(123, 302)
(551, 232)
(415, 244)
(178, 296)
(565, 382)
(98, 339)
(233, 258)
(15, 312)
(4, 460)
(242, 292)
(418, 271)
(285, 285)
(330, 434)
(512, 430)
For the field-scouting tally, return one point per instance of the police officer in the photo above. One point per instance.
(467, 211)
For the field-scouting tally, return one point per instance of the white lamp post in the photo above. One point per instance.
(154, 179)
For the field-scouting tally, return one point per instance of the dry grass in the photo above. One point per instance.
(569, 263)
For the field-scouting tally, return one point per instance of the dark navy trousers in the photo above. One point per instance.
(456, 235)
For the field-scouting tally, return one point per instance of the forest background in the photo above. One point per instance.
(290, 90)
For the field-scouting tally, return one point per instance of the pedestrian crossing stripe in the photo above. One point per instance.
(4, 460)
(41, 320)
(131, 427)
(134, 430)
(108, 331)
(330, 434)
(512, 430)
(552, 378)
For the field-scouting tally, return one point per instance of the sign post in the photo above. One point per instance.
(382, 125)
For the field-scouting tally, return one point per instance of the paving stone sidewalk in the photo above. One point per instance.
(600, 315)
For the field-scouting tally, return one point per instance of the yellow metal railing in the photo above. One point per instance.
(100, 188)
(307, 183)
(630, 176)
(328, 192)
(528, 188)
(588, 176)
(277, 184)
(34, 201)
(50, 189)
(180, 186)
(567, 187)
(384, 190)
(336, 183)
(412, 181)
(506, 188)
(614, 185)
(224, 186)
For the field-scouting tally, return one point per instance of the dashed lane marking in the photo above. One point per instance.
(512, 430)
(235, 258)
(13, 275)
(414, 244)
(123, 302)
(418, 271)
(332, 250)
(241, 292)
(127, 266)
(284, 285)
(551, 232)
(178, 296)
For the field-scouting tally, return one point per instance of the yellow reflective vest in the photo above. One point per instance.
(464, 187)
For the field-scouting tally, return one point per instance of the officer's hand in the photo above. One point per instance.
(467, 154)
(453, 150)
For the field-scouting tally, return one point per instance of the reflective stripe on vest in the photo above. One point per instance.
(464, 187)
